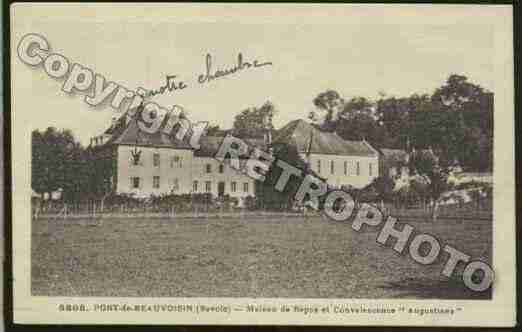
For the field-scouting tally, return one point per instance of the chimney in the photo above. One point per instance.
(268, 138)
(267, 123)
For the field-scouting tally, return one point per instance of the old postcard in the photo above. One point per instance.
(282, 164)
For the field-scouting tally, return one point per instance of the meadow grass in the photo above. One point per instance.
(266, 257)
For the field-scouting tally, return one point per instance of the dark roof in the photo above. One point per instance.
(209, 145)
(123, 133)
(128, 133)
(394, 155)
(296, 133)
(299, 133)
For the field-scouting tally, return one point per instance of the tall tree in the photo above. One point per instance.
(76, 172)
(267, 195)
(396, 116)
(456, 121)
(426, 164)
(328, 104)
(358, 120)
(252, 122)
(470, 108)
(57, 161)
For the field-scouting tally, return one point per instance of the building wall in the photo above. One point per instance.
(338, 177)
(179, 169)
(169, 174)
(177, 175)
(228, 176)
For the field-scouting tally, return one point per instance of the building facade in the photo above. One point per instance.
(146, 164)
(340, 170)
(339, 162)
(177, 171)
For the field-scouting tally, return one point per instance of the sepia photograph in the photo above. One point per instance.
(307, 163)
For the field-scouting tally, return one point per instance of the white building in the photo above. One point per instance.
(338, 161)
(145, 164)
(153, 164)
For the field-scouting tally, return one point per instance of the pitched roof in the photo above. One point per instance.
(209, 145)
(128, 133)
(298, 133)
(124, 132)
(394, 155)
(307, 138)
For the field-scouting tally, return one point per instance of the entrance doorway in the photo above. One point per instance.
(221, 189)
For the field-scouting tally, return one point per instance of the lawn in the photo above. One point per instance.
(261, 257)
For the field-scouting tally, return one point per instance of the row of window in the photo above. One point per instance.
(136, 183)
(345, 167)
(208, 168)
(208, 186)
(175, 161)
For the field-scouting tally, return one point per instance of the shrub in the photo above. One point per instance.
(251, 203)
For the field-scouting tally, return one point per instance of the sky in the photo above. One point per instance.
(353, 52)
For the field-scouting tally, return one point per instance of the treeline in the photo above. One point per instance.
(60, 162)
(456, 121)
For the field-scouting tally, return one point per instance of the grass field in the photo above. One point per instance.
(262, 257)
